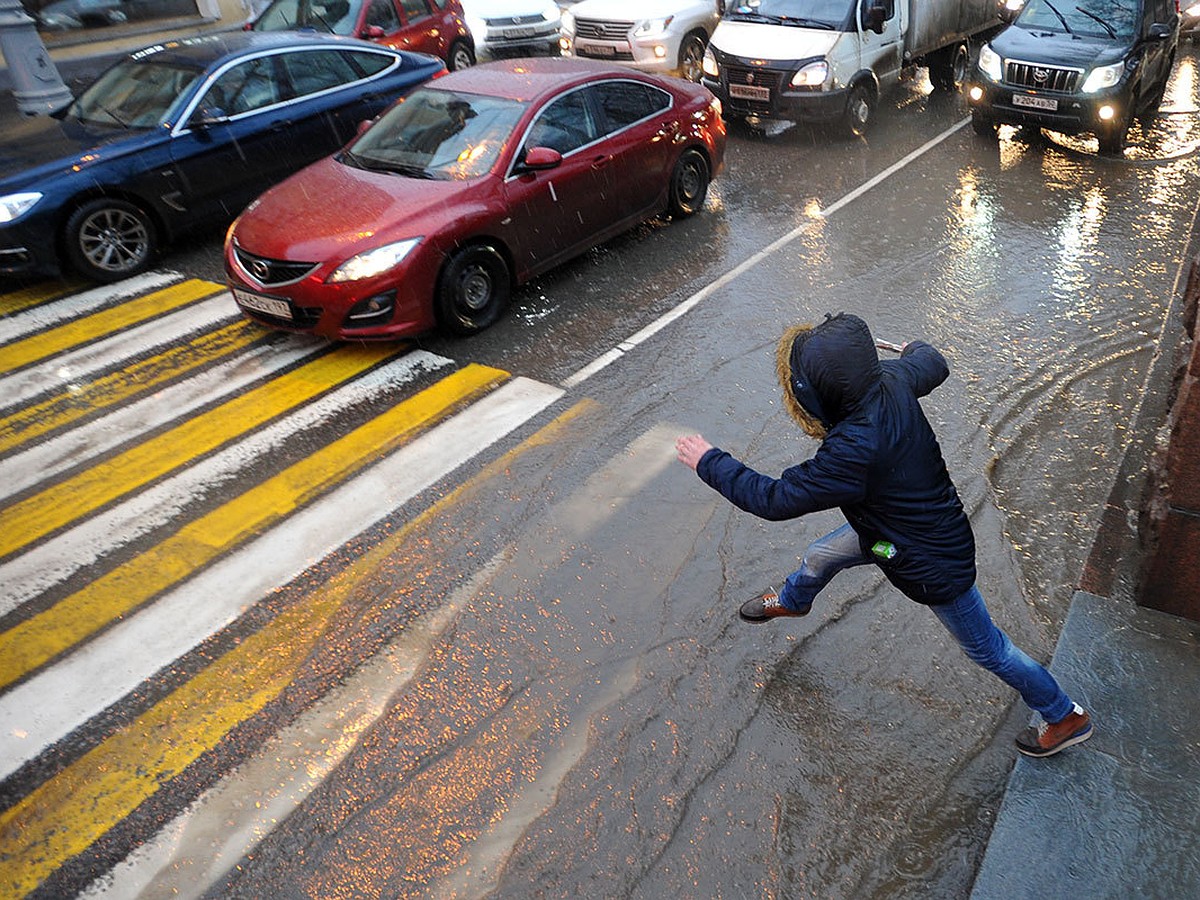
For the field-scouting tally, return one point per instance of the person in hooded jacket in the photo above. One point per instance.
(880, 463)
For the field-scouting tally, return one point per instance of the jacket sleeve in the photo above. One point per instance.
(922, 366)
(827, 480)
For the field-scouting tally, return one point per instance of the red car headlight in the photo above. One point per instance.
(373, 262)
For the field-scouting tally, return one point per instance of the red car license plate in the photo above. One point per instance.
(272, 306)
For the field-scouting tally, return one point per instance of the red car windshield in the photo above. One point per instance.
(334, 16)
(438, 134)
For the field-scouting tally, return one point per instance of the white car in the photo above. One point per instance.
(513, 27)
(663, 36)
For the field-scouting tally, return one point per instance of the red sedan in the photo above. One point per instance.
(471, 185)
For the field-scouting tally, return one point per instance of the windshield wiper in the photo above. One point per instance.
(758, 17)
(410, 171)
(801, 22)
(1112, 32)
(113, 115)
(1061, 18)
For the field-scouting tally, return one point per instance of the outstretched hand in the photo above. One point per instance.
(689, 448)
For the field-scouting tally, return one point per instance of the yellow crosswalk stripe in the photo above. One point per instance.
(115, 389)
(106, 322)
(37, 640)
(42, 513)
(68, 813)
(27, 298)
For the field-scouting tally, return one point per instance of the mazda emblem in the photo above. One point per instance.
(260, 270)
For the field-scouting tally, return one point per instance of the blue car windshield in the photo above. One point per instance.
(439, 134)
(1085, 18)
(827, 14)
(135, 94)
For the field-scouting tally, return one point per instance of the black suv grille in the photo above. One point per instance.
(602, 30)
(268, 272)
(1042, 78)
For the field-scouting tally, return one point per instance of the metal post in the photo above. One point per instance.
(37, 86)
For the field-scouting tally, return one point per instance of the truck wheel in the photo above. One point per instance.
(860, 109)
(691, 57)
(982, 125)
(948, 67)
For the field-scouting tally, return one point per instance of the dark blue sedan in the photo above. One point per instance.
(182, 135)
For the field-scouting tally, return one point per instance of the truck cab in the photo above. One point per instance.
(830, 60)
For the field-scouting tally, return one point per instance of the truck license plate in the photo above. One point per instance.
(281, 309)
(749, 92)
(1047, 103)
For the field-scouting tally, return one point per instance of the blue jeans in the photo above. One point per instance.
(966, 618)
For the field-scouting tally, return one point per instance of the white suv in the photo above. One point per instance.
(513, 27)
(652, 35)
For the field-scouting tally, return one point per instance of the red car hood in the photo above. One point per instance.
(331, 211)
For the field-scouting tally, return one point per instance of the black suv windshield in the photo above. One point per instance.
(1084, 18)
(831, 14)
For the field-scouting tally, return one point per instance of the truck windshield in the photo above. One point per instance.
(836, 15)
(1083, 18)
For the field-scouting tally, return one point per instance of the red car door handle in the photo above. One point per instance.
(600, 162)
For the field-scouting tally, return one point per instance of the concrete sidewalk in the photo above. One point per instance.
(1119, 815)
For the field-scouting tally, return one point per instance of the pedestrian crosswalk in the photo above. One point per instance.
(165, 467)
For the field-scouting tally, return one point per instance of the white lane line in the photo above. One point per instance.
(37, 318)
(691, 302)
(40, 568)
(44, 460)
(108, 668)
(67, 369)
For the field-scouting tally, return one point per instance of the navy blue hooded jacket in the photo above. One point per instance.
(879, 461)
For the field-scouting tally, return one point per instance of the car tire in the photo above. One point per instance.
(691, 56)
(948, 68)
(982, 125)
(689, 184)
(473, 290)
(860, 110)
(461, 56)
(108, 239)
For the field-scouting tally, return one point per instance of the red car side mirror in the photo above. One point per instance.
(538, 158)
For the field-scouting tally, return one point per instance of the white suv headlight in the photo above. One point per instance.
(373, 262)
(990, 63)
(568, 22)
(14, 206)
(709, 65)
(552, 13)
(1102, 77)
(649, 27)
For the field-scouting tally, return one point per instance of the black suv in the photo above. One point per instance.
(1076, 65)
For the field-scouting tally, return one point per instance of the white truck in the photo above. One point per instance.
(830, 60)
(665, 36)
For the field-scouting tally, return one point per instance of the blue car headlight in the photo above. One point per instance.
(13, 206)
(374, 262)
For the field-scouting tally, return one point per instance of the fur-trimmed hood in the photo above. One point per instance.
(826, 370)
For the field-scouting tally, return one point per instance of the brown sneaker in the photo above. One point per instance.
(1048, 739)
(766, 606)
